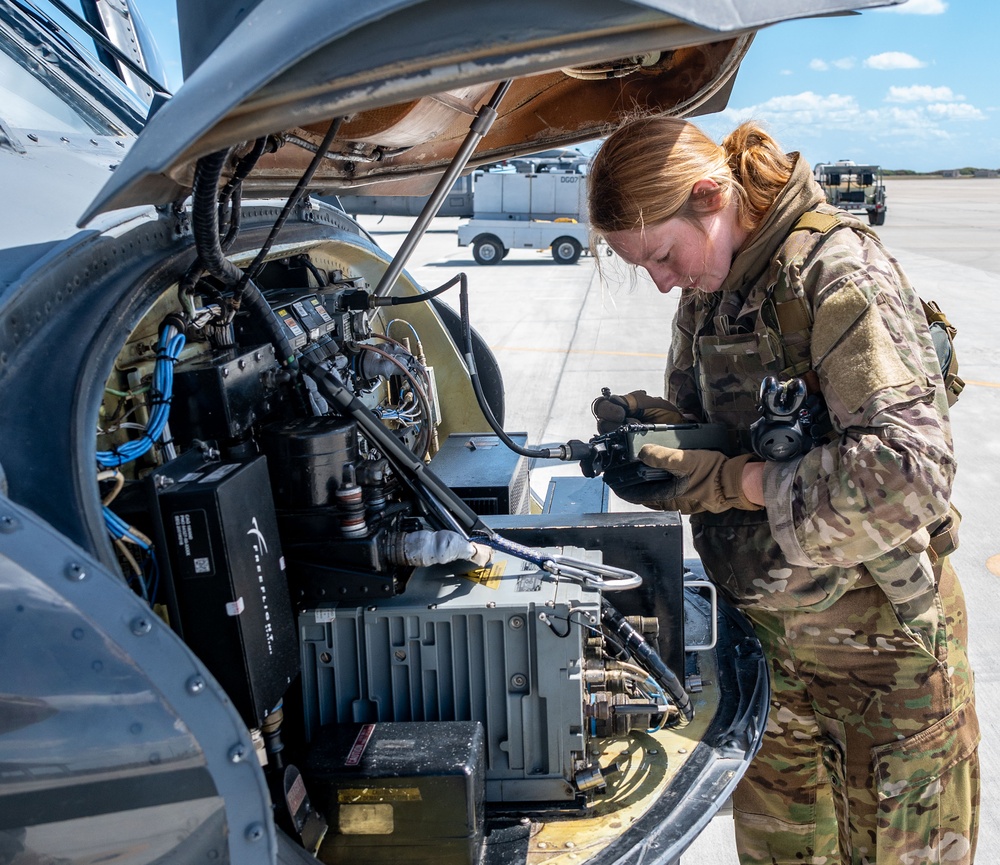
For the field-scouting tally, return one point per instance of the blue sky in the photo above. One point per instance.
(912, 86)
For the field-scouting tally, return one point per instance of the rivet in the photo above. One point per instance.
(255, 832)
(8, 524)
(75, 572)
(141, 626)
(517, 623)
(195, 684)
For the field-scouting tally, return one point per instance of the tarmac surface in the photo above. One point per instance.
(562, 332)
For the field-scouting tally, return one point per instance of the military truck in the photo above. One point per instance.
(854, 188)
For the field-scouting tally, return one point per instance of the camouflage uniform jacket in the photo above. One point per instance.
(861, 506)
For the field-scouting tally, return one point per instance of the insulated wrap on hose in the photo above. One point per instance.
(649, 660)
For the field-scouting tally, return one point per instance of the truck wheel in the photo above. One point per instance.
(566, 250)
(487, 249)
(876, 217)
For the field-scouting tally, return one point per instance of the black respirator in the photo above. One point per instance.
(790, 422)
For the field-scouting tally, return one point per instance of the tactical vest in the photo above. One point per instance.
(770, 333)
(794, 317)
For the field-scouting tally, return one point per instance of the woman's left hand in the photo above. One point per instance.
(709, 480)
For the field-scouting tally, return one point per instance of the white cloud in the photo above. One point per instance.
(819, 65)
(917, 7)
(921, 93)
(955, 111)
(894, 60)
(805, 114)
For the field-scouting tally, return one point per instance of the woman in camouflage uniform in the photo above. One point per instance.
(870, 751)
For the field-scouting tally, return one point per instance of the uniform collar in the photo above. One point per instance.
(799, 195)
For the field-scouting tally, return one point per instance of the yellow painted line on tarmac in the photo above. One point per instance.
(983, 383)
(580, 351)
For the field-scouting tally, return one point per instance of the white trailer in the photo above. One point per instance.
(527, 211)
(492, 239)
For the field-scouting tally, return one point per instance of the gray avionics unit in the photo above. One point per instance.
(504, 647)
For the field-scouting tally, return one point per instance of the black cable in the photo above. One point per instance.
(571, 450)
(321, 278)
(235, 215)
(205, 227)
(257, 264)
(205, 218)
(429, 488)
(416, 298)
(649, 660)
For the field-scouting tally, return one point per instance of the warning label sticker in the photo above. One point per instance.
(488, 576)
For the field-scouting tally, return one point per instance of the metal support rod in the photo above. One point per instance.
(480, 126)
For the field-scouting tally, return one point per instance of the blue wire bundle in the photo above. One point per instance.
(168, 349)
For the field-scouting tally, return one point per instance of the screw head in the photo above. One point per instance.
(195, 684)
(75, 572)
(237, 753)
(255, 832)
(141, 626)
(8, 524)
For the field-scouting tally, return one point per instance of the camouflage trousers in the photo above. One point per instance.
(870, 754)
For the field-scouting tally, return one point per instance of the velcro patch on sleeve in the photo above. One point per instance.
(854, 350)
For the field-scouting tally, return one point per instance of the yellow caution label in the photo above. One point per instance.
(488, 576)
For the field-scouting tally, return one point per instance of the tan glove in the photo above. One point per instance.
(706, 480)
(613, 410)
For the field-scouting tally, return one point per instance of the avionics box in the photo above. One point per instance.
(226, 587)
(409, 793)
